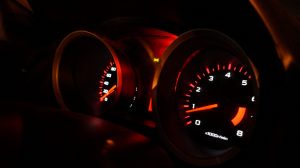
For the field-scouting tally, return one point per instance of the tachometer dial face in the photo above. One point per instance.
(206, 98)
(216, 98)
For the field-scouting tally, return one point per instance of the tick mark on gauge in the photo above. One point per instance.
(207, 70)
(241, 69)
(191, 85)
(187, 117)
(229, 66)
(187, 95)
(188, 123)
(186, 106)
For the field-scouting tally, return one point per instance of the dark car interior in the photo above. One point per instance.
(153, 83)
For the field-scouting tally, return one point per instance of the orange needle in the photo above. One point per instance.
(110, 91)
(208, 107)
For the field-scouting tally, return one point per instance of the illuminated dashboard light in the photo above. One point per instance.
(239, 116)
(156, 60)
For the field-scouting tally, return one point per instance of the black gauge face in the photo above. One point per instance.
(206, 98)
(108, 86)
(87, 75)
(216, 96)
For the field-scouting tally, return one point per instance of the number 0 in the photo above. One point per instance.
(197, 122)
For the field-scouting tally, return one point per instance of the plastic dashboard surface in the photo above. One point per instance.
(148, 84)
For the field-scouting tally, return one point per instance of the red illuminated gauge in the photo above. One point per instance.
(91, 76)
(206, 98)
(108, 83)
(216, 96)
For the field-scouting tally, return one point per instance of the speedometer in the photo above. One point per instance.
(90, 75)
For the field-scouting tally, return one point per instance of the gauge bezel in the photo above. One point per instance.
(56, 67)
(169, 126)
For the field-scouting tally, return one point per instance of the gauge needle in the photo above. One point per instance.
(110, 91)
(202, 108)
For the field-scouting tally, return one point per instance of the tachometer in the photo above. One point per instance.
(216, 96)
(206, 98)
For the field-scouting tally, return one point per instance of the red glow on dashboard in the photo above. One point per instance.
(149, 123)
(150, 106)
(158, 41)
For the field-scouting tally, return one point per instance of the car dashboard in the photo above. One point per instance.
(149, 83)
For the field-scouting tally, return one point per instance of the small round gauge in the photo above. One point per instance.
(206, 98)
(91, 76)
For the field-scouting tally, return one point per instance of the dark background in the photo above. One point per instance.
(35, 132)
